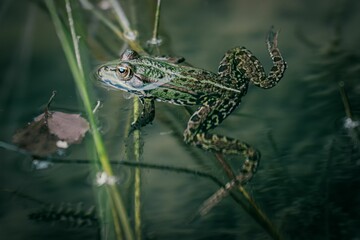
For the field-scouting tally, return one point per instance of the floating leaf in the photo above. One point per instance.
(51, 130)
(70, 128)
(36, 139)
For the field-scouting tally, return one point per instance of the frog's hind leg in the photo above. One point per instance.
(240, 65)
(206, 118)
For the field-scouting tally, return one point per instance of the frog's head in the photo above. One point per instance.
(132, 73)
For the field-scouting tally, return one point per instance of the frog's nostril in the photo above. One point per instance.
(101, 70)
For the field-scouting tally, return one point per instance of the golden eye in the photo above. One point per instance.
(124, 72)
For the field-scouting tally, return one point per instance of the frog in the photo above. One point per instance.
(216, 95)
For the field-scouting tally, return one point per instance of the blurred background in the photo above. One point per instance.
(307, 127)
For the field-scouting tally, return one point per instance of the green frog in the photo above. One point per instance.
(216, 94)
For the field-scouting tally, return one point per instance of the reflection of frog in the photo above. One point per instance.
(218, 95)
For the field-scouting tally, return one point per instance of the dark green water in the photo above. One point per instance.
(308, 179)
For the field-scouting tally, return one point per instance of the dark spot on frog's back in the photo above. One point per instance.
(223, 68)
(242, 71)
(195, 118)
(160, 75)
(253, 58)
(277, 59)
(225, 102)
(179, 60)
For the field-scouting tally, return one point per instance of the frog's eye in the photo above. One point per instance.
(124, 72)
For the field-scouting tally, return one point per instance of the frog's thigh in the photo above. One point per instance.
(208, 116)
(196, 123)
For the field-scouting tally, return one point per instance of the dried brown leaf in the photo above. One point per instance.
(36, 139)
(70, 128)
(50, 131)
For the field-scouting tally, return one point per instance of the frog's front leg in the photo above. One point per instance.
(147, 115)
(205, 119)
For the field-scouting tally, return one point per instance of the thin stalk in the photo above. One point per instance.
(137, 184)
(123, 21)
(254, 210)
(345, 100)
(80, 81)
(155, 37)
(132, 43)
(87, 5)
(260, 216)
(116, 218)
(129, 34)
(74, 38)
(137, 205)
(229, 172)
(157, 18)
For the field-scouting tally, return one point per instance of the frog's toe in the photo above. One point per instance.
(272, 38)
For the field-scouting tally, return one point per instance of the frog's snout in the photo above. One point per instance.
(99, 72)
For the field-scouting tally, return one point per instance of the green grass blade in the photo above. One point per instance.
(72, 55)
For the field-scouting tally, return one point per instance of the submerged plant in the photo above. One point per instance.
(68, 214)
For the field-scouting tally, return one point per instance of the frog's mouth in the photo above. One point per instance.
(109, 84)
